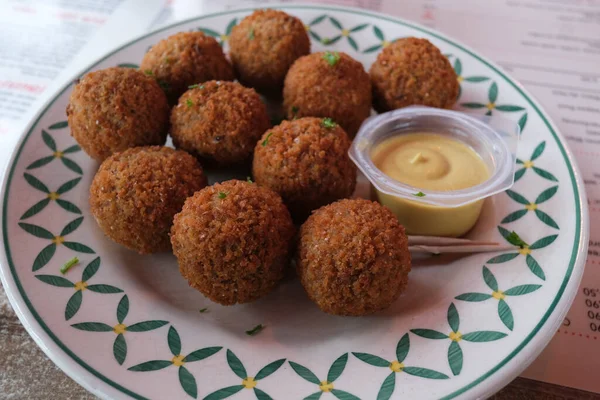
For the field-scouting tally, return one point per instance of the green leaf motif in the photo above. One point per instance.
(372, 49)
(328, 41)
(54, 280)
(425, 373)
(269, 369)
(72, 149)
(336, 23)
(68, 206)
(358, 28)
(514, 216)
(372, 360)
(40, 163)
(521, 290)
(36, 208)
(123, 309)
(483, 336)
(545, 218)
(93, 327)
(402, 348)
(539, 150)
(58, 125)
(71, 165)
(230, 26)
(65, 187)
(305, 373)
(260, 395)
(519, 174)
(174, 341)
(378, 33)
(337, 368)
(91, 269)
(120, 349)
(453, 318)
(543, 242)
(236, 365)
(314, 396)
(473, 297)
(387, 387)
(49, 140)
(546, 194)
(317, 20)
(200, 354)
(535, 267)
(502, 258)
(36, 231)
(79, 247)
(315, 36)
(73, 305)
(352, 43)
(477, 79)
(545, 174)
(71, 226)
(128, 65)
(505, 314)
(105, 289)
(473, 105)
(509, 108)
(188, 382)
(36, 183)
(522, 122)
(429, 334)
(493, 93)
(224, 393)
(517, 197)
(44, 257)
(455, 358)
(153, 365)
(340, 394)
(489, 279)
(209, 32)
(458, 67)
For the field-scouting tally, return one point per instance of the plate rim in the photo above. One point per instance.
(544, 330)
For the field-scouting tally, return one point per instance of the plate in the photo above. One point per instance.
(125, 325)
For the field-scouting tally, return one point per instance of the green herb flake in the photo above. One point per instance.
(249, 180)
(255, 330)
(163, 85)
(266, 141)
(189, 103)
(193, 86)
(251, 34)
(168, 60)
(295, 110)
(514, 239)
(203, 310)
(149, 72)
(420, 194)
(222, 195)
(332, 58)
(67, 266)
(328, 123)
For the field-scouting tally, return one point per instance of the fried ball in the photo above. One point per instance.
(353, 257)
(136, 193)
(113, 109)
(412, 71)
(219, 121)
(305, 161)
(185, 59)
(328, 84)
(264, 45)
(232, 241)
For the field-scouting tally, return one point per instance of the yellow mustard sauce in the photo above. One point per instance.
(431, 162)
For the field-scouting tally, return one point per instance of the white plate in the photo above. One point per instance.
(515, 300)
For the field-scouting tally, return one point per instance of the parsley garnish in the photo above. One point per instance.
(249, 180)
(195, 86)
(251, 34)
(204, 310)
(189, 103)
(420, 194)
(163, 85)
(328, 123)
(67, 266)
(295, 110)
(255, 330)
(266, 141)
(222, 195)
(331, 58)
(149, 72)
(514, 239)
(168, 60)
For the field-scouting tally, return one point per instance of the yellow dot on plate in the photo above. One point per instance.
(223, 38)
(490, 106)
(178, 360)
(525, 251)
(120, 328)
(455, 336)
(385, 43)
(249, 382)
(58, 240)
(53, 195)
(81, 285)
(326, 386)
(396, 366)
(528, 164)
(307, 27)
(460, 79)
(58, 154)
(499, 295)
(531, 206)
(345, 32)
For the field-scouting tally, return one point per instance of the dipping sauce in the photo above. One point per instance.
(431, 162)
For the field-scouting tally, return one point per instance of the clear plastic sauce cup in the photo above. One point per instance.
(439, 213)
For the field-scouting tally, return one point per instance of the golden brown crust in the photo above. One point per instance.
(412, 71)
(113, 109)
(220, 121)
(306, 163)
(136, 193)
(353, 257)
(184, 59)
(232, 241)
(314, 88)
(264, 45)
